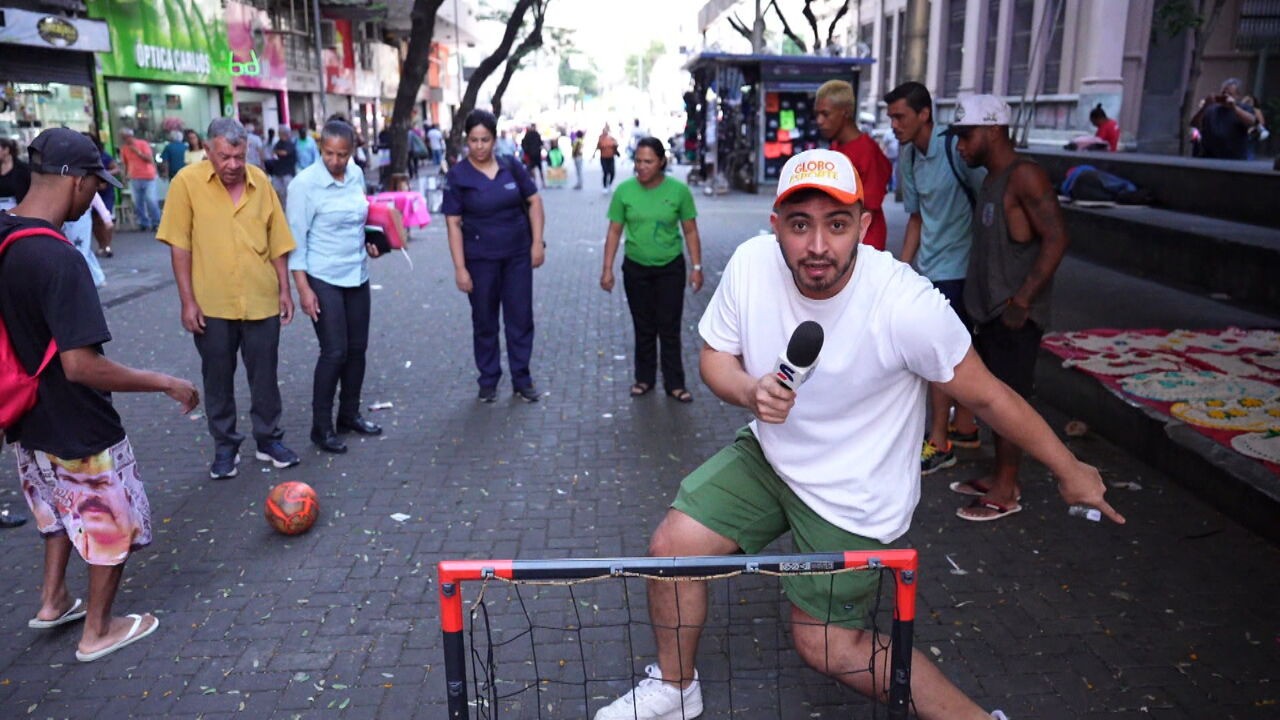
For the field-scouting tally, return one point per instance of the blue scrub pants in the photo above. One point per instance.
(504, 285)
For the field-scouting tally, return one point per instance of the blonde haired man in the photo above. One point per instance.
(836, 110)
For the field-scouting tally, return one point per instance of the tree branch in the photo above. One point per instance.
(813, 22)
(831, 29)
(486, 68)
(786, 27)
(531, 42)
(736, 23)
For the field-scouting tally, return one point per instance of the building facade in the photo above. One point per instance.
(1055, 60)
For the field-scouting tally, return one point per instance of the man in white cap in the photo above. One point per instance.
(837, 461)
(1019, 238)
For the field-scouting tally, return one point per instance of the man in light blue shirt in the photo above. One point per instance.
(938, 190)
(327, 211)
(307, 150)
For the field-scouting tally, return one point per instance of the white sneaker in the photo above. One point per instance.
(998, 715)
(604, 191)
(653, 699)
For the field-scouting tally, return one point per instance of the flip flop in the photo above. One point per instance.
(131, 637)
(680, 395)
(76, 612)
(973, 488)
(1000, 510)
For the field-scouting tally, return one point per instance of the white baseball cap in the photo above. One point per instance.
(980, 110)
(825, 170)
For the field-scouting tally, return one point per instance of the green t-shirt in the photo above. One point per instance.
(652, 218)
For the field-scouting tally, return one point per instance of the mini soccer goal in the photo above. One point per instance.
(560, 638)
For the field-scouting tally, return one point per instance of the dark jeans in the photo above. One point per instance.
(504, 285)
(656, 298)
(607, 165)
(343, 332)
(953, 291)
(1010, 355)
(258, 342)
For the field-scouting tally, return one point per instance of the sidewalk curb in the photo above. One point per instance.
(1234, 485)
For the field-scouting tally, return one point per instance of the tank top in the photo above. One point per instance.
(998, 265)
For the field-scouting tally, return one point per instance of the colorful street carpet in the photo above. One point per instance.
(1223, 383)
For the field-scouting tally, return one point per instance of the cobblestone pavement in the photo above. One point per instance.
(1171, 616)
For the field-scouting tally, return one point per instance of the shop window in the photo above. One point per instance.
(1053, 60)
(1020, 47)
(954, 44)
(988, 63)
(887, 34)
(153, 110)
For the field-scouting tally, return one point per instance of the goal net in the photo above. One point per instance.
(563, 638)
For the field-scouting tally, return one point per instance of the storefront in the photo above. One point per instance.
(339, 69)
(751, 113)
(46, 72)
(257, 67)
(170, 69)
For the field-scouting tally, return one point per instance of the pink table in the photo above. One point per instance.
(410, 204)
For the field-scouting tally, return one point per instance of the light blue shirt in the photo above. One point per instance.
(308, 153)
(930, 187)
(327, 219)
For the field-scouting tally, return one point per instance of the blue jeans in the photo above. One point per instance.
(144, 203)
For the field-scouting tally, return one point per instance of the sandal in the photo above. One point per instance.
(640, 389)
(998, 510)
(973, 488)
(680, 395)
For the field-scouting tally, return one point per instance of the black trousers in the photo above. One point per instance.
(607, 165)
(343, 332)
(656, 298)
(258, 343)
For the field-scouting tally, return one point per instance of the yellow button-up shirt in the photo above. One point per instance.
(231, 246)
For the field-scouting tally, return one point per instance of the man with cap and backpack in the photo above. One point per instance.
(75, 462)
(937, 192)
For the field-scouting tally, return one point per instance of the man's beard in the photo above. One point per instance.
(803, 282)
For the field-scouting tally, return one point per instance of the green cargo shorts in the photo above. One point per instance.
(737, 494)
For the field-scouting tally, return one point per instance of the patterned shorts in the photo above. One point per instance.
(98, 501)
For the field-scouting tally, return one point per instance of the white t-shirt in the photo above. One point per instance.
(850, 448)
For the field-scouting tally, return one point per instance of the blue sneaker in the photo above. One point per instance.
(224, 464)
(277, 454)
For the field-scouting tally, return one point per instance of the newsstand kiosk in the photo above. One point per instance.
(748, 114)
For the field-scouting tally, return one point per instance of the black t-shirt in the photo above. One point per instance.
(1223, 134)
(532, 146)
(15, 183)
(46, 292)
(286, 164)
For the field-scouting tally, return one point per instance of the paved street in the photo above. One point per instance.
(1172, 616)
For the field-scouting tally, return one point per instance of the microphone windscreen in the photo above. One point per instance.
(806, 343)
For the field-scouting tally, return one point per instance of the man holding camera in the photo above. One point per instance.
(1224, 123)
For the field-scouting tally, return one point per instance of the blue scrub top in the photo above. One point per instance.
(495, 215)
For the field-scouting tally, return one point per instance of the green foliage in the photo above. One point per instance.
(639, 67)
(586, 80)
(1174, 17)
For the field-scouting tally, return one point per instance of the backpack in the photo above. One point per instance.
(946, 136)
(17, 388)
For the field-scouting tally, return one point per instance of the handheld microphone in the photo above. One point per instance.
(798, 362)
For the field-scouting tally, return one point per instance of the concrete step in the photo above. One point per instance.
(1236, 485)
(1237, 260)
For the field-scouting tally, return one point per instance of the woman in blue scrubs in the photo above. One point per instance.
(495, 220)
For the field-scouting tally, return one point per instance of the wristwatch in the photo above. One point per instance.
(697, 268)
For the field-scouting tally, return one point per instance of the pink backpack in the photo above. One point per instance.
(17, 388)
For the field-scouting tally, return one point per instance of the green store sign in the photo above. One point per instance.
(182, 41)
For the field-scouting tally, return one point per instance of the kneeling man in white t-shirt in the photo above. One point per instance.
(835, 462)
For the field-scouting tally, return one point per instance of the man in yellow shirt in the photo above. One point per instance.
(229, 239)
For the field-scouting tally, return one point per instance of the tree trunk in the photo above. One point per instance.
(532, 42)
(412, 72)
(1199, 38)
(486, 69)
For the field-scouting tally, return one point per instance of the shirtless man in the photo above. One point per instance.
(1019, 239)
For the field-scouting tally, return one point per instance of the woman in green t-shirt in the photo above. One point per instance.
(654, 209)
